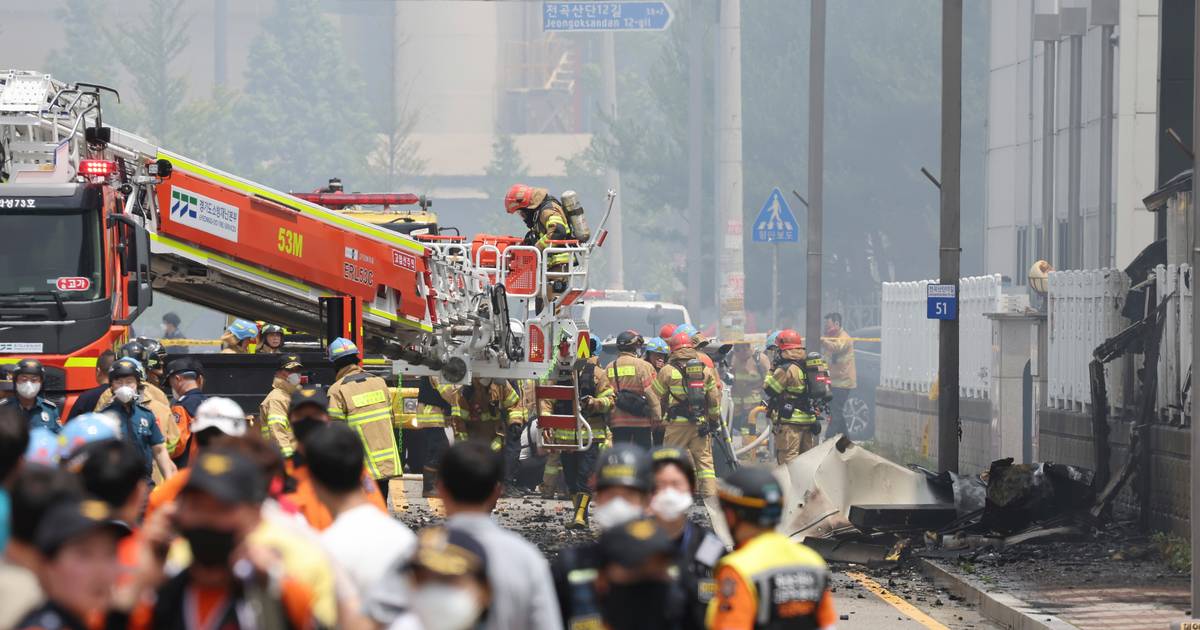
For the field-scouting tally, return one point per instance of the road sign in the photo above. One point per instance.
(941, 301)
(606, 16)
(775, 223)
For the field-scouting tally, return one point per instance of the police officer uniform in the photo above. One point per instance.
(42, 413)
(769, 581)
(795, 426)
(688, 423)
(138, 423)
(363, 401)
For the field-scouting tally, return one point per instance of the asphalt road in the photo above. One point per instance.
(891, 598)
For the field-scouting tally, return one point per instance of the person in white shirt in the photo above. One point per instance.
(363, 540)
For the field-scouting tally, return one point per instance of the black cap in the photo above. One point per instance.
(630, 339)
(664, 455)
(72, 518)
(29, 366)
(309, 396)
(172, 319)
(290, 362)
(635, 542)
(227, 475)
(124, 367)
(754, 494)
(626, 465)
(450, 552)
(183, 364)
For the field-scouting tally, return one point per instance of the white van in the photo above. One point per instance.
(607, 317)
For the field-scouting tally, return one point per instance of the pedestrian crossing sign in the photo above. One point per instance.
(775, 222)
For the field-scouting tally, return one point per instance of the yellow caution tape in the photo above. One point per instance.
(190, 342)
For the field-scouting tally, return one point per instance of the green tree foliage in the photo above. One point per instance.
(506, 168)
(301, 118)
(148, 50)
(86, 54)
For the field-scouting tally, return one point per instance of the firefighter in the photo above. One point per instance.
(238, 337)
(149, 395)
(656, 352)
(838, 345)
(273, 411)
(429, 441)
(595, 399)
(272, 339)
(666, 331)
(692, 405)
(697, 337)
(636, 409)
(155, 360)
(796, 428)
(547, 221)
(184, 376)
(138, 423)
(362, 400)
(491, 411)
(28, 378)
(746, 389)
(769, 581)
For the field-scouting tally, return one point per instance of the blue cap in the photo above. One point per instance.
(687, 329)
(771, 338)
(656, 344)
(85, 429)
(342, 347)
(243, 329)
(43, 448)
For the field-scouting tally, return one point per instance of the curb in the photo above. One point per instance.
(1000, 607)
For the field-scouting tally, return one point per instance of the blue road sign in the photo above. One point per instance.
(605, 16)
(775, 222)
(941, 301)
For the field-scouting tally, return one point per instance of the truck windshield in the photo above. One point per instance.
(608, 321)
(43, 246)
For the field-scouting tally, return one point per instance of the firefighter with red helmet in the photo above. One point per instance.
(692, 406)
(790, 407)
(546, 221)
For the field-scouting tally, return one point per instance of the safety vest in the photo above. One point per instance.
(787, 582)
(363, 402)
(273, 416)
(784, 386)
(549, 216)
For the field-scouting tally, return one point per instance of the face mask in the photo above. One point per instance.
(124, 394)
(28, 389)
(485, 382)
(210, 547)
(615, 512)
(443, 607)
(638, 605)
(671, 504)
(293, 379)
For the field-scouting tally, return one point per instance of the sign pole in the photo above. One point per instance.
(951, 150)
(775, 285)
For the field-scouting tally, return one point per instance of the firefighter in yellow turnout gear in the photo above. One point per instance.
(363, 401)
(596, 396)
(547, 221)
(491, 410)
(692, 407)
(796, 427)
(273, 412)
(429, 441)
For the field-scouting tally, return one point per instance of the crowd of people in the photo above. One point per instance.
(155, 505)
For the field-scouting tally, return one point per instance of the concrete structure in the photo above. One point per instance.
(1014, 143)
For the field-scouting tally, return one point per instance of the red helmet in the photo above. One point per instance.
(519, 196)
(789, 340)
(682, 340)
(667, 331)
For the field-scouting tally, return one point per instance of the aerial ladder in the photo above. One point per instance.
(97, 219)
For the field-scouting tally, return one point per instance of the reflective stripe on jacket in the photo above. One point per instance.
(772, 582)
(629, 373)
(273, 416)
(363, 402)
(787, 381)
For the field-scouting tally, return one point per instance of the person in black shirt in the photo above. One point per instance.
(87, 401)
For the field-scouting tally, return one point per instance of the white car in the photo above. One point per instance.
(607, 318)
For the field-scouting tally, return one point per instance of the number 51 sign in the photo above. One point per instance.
(941, 301)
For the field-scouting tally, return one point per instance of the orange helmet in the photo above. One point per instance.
(789, 340)
(667, 330)
(682, 340)
(519, 196)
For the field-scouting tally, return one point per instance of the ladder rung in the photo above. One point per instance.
(550, 421)
(555, 392)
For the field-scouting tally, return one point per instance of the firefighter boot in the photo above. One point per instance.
(580, 519)
(429, 482)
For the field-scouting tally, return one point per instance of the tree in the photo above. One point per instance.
(86, 53)
(506, 168)
(148, 51)
(301, 120)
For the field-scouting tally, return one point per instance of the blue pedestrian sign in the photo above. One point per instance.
(775, 222)
(605, 16)
(941, 301)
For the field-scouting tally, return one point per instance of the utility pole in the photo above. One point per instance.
(695, 153)
(1195, 431)
(948, 420)
(612, 175)
(816, 172)
(732, 287)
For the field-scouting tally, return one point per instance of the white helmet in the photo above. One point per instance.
(222, 414)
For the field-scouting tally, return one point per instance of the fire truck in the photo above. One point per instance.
(97, 219)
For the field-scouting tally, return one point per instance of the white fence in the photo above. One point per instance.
(909, 344)
(1084, 310)
(1175, 354)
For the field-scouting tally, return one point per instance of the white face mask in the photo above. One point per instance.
(444, 607)
(28, 389)
(671, 504)
(615, 512)
(124, 394)
(294, 379)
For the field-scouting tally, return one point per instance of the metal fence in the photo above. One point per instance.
(1173, 282)
(909, 345)
(1084, 309)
